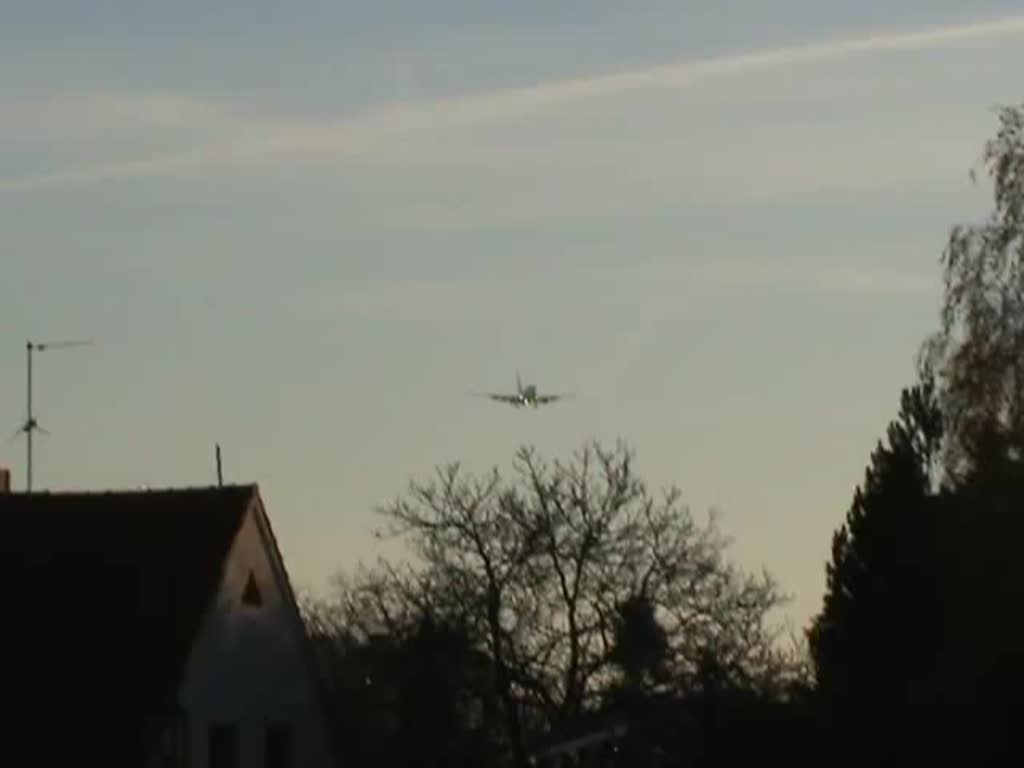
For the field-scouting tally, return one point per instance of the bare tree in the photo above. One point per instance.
(539, 568)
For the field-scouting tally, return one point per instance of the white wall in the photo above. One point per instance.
(249, 667)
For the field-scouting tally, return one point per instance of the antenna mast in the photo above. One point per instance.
(31, 425)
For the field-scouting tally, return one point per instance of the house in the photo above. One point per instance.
(153, 628)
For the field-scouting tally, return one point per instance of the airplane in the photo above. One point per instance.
(524, 396)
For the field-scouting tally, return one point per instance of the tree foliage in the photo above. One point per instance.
(978, 352)
(874, 642)
(404, 687)
(919, 625)
(640, 645)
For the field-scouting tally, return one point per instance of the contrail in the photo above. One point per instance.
(687, 72)
(369, 132)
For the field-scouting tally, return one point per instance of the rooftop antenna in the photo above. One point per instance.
(31, 425)
(220, 474)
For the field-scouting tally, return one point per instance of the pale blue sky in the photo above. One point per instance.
(309, 230)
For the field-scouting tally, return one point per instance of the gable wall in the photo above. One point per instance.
(249, 666)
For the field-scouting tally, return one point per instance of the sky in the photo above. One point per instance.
(310, 231)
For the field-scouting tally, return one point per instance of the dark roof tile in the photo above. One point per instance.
(102, 595)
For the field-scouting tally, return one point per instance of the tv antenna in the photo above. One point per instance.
(31, 425)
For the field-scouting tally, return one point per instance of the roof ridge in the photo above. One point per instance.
(144, 490)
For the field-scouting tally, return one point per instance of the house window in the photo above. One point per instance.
(175, 745)
(251, 594)
(181, 740)
(222, 746)
(279, 746)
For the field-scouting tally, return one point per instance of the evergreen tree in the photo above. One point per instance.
(874, 643)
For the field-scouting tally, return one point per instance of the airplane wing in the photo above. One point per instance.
(545, 399)
(514, 399)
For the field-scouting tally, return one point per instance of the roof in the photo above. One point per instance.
(102, 595)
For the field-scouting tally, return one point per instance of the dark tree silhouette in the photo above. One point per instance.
(917, 643)
(983, 604)
(978, 352)
(874, 643)
(442, 697)
(640, 646)
(543, 572)
(414, 694)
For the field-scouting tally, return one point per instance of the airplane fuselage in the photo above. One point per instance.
(523, 396)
